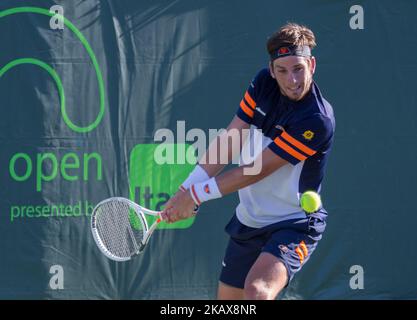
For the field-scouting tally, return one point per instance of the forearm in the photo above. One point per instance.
(207, 167)
(225, 147)
(221, 151)
(240, 177)
(235, 179)
(218, 155)
(212, 169)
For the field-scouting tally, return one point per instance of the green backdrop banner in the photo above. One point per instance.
(90, 89)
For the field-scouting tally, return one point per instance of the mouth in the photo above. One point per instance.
(294, 90)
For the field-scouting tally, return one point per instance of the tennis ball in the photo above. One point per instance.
(310, 201)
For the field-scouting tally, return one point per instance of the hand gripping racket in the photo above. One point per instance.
(120, 229)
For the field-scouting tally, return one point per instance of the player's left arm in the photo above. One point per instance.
(228, 182)
(241, 177)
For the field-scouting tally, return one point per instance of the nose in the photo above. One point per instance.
(291, 78)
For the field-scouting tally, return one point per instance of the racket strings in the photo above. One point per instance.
(115, 229)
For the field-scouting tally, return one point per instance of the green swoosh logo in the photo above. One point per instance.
(53, 73)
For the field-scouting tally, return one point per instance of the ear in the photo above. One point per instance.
(312, 65)
(271, 70)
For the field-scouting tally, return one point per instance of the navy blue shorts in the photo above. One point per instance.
(291, 241)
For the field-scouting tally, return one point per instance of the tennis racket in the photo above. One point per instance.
(120, 229)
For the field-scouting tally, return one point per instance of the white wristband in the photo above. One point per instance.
(197, 175)
(204, 191)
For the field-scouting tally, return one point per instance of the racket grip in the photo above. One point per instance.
(149, 233)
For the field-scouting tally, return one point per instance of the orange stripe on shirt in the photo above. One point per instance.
(246, 109)
(250, 100)
(298, 144)
(288, 149)
(304, 248)
(300, 254)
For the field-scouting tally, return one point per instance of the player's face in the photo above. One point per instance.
(294, 75)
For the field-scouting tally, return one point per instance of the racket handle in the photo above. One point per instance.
(149, 233)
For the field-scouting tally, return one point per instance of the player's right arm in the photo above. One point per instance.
(233, 138)
(225, 147)
(221, 151)
(210, 164)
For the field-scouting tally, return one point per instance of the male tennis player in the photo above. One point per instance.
(271, 237)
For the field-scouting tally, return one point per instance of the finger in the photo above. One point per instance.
(163, 215)
(170, 215)
(166, 214)
(173, 217)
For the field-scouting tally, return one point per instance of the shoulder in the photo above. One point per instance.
(315, 115)
(263, 84)
(319, 122)
(263, 78)
(322, 111)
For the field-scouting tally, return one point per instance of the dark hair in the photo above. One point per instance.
(291, 34)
